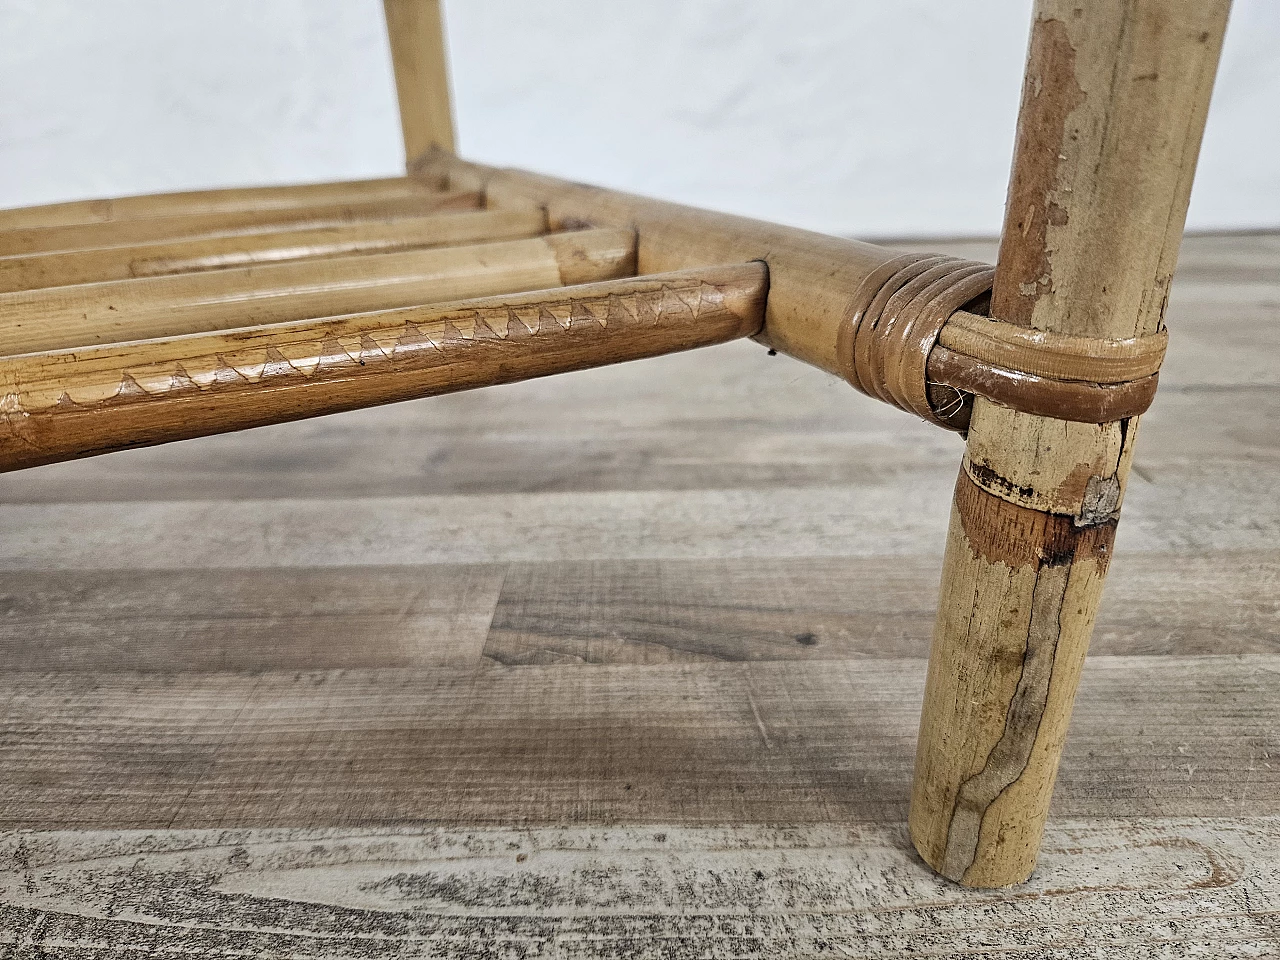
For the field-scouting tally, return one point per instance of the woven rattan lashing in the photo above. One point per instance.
(907, 340)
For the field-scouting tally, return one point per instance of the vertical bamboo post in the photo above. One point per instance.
(415, 29)
(1113, 108)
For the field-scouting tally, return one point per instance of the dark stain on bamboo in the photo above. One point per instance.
(1025, 253)
(1002, 532)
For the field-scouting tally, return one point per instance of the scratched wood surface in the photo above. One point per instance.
(626, 663)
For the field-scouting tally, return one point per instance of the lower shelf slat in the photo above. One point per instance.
(72, 403)
(67, 267)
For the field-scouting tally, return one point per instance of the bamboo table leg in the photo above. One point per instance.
(1112, 113)
(415, 29)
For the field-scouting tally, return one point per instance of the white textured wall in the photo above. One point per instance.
(853, 116)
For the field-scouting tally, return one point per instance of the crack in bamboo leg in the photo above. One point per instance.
(1008, 759)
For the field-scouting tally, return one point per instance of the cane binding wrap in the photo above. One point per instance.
(907, 340)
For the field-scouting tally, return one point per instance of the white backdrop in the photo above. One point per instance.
(852, 116)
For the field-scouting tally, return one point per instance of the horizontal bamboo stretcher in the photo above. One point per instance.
(142, 320)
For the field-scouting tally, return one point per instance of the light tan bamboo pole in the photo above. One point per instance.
(193, 202)
(82, 236)
(1112, 112)
(415, 30)
(813, 278)
(76, 403)
(65, 317)
(61, 268)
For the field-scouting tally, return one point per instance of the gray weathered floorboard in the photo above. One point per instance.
(1184, 510)
(1152, 889)
(287, 618)
(656, 611)
(699, 743)
(609, 611)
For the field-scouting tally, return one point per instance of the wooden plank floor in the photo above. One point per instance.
(625, 664)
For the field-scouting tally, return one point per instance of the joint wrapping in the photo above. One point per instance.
(906, 339)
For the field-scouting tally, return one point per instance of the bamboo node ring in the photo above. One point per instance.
(906, 339)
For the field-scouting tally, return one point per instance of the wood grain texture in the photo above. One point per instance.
(79, 402)
(61, 268)
(126, 310)
(707, 743)
(195, 202)
(646, 612)
(158, 621)
(885, 519)
(1113, 109)
(84, 236)
(604, 612)
(1158, 889)
(419, 57)
(886, 516)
